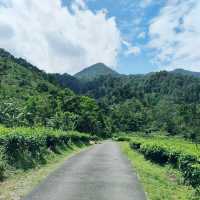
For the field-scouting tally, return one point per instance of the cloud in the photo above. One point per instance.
(134, 50)
(57, 38)
(142, 35)
(175, 35)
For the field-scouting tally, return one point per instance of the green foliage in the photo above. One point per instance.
(26, 147)
(129, 116)
(181, 154)
(167, 101)
(30, 97)
(160, 182)
(111, 103)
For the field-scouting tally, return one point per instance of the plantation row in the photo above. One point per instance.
(26, 147)
(181, 154)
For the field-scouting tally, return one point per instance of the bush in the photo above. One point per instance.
(123, 138)
(25, 147)
(180, 154)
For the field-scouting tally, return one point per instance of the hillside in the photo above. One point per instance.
(95, 71)
(102, 105)
(186, 72)
(157, 101)
(164, 84)
(30, 97)
(21, 79)
(67, 81)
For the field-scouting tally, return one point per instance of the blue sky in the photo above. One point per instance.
(132, 18)
(130, 36)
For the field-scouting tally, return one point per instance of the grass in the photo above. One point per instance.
(159, 182)
(19, 183)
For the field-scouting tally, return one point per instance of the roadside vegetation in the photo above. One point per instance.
(27, 155)
(159, 182)
(25, 148)
(169, 167)
(19, 182)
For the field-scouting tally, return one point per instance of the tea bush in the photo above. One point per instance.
(181, 154)
(25, 147)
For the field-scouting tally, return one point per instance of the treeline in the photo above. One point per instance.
(64, 111)
(157, 101)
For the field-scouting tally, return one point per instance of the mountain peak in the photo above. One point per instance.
(95, 71)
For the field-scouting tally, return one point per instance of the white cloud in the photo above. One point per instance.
(51, 37)
(134, 50)
(142, 35)
(175, 35)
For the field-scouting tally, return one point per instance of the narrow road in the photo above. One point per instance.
(101, 172)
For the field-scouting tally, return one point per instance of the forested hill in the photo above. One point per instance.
(94, 72)
(105, 104)
(186, 72)
(177, 87)
(158, 101)
(30, 97)
(21, 79)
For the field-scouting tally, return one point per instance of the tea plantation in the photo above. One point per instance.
(183, 155)
(25, 148)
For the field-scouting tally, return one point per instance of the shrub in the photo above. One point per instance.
(180, 154)
(25, 147)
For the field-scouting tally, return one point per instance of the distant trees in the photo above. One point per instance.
(167, 101)
(129, 116)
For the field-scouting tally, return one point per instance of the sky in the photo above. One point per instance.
(130, 36)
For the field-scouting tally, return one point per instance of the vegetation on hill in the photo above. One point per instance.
(186, 72)
(158, 101)
(29, 97)
(67, 81)
(94, 72)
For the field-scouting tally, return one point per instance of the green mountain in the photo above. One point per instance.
(104, 103)
(21, 79)
(30, 97)
(95, 71)
(186, 72)
(67, 81)
(177, 87)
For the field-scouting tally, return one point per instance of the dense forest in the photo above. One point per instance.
(106, 104)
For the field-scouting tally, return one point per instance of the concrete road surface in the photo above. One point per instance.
(101, 172)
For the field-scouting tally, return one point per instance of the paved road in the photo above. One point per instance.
(98, 173)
